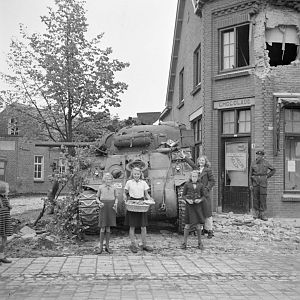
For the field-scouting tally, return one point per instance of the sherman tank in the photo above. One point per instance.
(156, 150)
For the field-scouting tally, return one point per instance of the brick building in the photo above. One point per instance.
(25, 163)
(235, 79)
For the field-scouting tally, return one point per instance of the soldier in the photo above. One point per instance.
(260, 171)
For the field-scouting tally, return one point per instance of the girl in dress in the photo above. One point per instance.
(5, 220)
(108, 201)
(137, 189)
(206, 177)
(193, 195)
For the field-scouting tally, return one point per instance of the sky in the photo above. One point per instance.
(139, 31)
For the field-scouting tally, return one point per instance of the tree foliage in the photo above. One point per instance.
(65, 78)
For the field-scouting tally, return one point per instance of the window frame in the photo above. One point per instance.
(235, 45)
(197, 126)
(197, 78)
(288, 136)
(3, 163)
(41, 171)
(236, 112)
(13, 128)
(181, 86)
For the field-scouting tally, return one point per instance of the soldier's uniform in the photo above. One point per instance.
(260, 171)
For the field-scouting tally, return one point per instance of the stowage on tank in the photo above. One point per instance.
(155, 149)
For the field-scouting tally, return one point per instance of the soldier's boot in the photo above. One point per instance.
(256, 214)
(263, 216)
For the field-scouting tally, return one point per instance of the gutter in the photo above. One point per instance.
(165, 112)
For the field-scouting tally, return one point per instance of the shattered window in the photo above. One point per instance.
(282, 43)
(235, 47)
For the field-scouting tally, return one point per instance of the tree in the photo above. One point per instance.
(93, 128)
(65, 78)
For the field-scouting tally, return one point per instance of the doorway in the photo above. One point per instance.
(235, 175)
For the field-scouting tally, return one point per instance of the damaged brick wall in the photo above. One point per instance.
(270, 80)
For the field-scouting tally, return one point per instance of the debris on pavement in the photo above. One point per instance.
(237, 234)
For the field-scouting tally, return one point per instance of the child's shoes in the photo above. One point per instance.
(147, 248)
(108, 250)
(200, 246)
(99, 249)
(133, 248)
(210, 234)
(5, 260)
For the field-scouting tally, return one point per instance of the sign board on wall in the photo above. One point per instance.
(234, 103)
(7, 145)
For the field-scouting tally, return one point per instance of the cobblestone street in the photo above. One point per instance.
(185, 276)
(256, 260)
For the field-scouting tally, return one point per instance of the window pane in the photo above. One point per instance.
(38, 167)
(244, 121)
(242, 38)
(197, 66)
(181, 85)
(231, 37)
(292, 164)
(228, 122)
(292, 120)
(235, 47)
(225, 38)
(227, 49)
(226, 63)
(231, 50)
(200, 130)
(296, 115)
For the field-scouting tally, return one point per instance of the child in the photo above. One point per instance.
(108, 201)
(137, 189)
(206, 177)
(5, 220)
(193, 194)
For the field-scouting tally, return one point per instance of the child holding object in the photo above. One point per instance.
(193, 195)
(108, 201)
(5, 220)
(137, 189)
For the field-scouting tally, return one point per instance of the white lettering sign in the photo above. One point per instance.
(234, 103)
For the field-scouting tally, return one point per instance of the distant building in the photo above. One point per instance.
(234, 79)
(25, 163)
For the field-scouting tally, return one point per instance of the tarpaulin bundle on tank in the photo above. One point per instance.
(133, 139)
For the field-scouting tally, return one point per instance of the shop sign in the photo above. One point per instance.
(234, 103)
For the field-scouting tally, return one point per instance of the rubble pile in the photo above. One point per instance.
(233, 234)
(256, 229)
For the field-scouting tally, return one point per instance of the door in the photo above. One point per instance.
(235, 170)
(2, 170)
